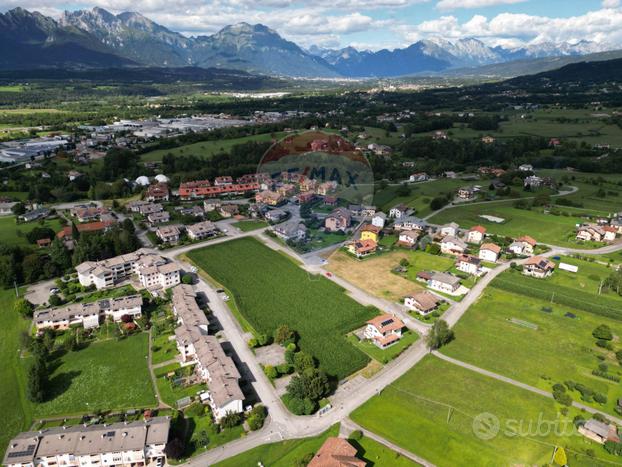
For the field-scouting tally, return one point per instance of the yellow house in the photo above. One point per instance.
(370, 232)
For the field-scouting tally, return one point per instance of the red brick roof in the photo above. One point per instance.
(386, 323)
(336, 452)
(478, 228)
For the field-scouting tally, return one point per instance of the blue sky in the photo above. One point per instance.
(376, 24)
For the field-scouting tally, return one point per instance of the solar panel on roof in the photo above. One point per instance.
(111, 433)
(29, 451)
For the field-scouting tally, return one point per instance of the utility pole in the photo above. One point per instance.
(16, 289)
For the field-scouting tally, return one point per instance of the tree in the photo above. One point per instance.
(23, 307)
(37, 380)
(257, 417)
(603, 332)
(404, 263)
(18, 209)
(230, 420)
(283, 334)
(60, 256)
(187, 279)
(439, 335)
(55, 300)
(303, 361)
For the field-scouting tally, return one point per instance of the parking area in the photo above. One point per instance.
(39, 293)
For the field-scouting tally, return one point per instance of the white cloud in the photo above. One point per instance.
(455, 4)
(611, 3)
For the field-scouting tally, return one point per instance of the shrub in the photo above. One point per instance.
(603, 332)
(562, 398)
(230, 420)
(257, 417)
(604, 344)
(252, 343)
(600, 398)
(559, 388)
(187, 279)
(271, 372)
(284, 369)
(356, 435)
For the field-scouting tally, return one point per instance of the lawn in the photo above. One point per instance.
(388, 354)
(420, 195)
(12, 233)
(271, 290)
(283, 454)
(16, 410)
(208, 148)
(442, 402)
(105, 375)
(12, 88)
(545, 228)
(247, 226)
(560, 349)
(169, 393)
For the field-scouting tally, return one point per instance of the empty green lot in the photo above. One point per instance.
(12, 233)
(533, 341)
(432, 411)
(270, 290)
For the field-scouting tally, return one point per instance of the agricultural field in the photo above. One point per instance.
(15, 408)
(545, 228)
(12, 88)
(208, 148)
(443, 402)
(12, 233)
(420, 195)
(581, 290)
(81, 380)
(533, 341)
(269, 290)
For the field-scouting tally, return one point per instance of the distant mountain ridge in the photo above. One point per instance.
(98, 39)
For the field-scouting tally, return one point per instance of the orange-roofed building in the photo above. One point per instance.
(336, 452)
(384, 330)
(476, 234)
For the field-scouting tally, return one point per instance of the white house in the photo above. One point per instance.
(525, 168)
(423, 303)
(384, 330)
(452, 246)
(523, 246)
(449, 229)
(399, 211)
(168, 233)
(538, 266)
(408, 238)
(489, 252)
(418, 177)
(476, 234)
(201, 230)
(444, 282)
(379, 219)
(469, 264)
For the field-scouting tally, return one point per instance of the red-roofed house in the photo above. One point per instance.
(476, 234)
(336, 452)
(384, 330)
(362, 248)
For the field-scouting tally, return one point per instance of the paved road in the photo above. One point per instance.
(518, 384)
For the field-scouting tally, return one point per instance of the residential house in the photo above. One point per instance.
(157, 192)
(466, 193)
(168, 233)
(202, 230)
(538, 266)
(326, 188)
(150, 208)
(399, 211)
(6, 207)
(408, 238)
(286, 190)
(73, 175)
(423, 303)
(418, 177)
(368, 211)
(523, 246)
(488, 139)
(469, 264)
(525, 168)
(489, 252)
(134, 206)
(599, 431)
(271, 198)
(339, 219)
(153, 271)
(596, 233)
(88, 315)
(451, 245)
(362, 248)
(305, 197)
(476, 234)
(211, 205)
(370, 232)
(87, 213)
(356, 210)
(228, 210)
(444, 282)
(119, 444)
(379, 219)
(275, 215)
(223, 180)
(336, 452)
(293, 230)
(35, 214)
(411, 223)
(451, 229)
(384, 330)
(450, 174)
(161, 217)
(330, 200)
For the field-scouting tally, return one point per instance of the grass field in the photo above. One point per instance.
(559, 349)
(12, 233)
(284, 454)
(576, 290)
(247, 226)
(388, 354)
(545, 228)
(271, 290)
(12, 88)
(106, 375)
(16, 410)
(208, 148)
(420, 195)
(442, 402)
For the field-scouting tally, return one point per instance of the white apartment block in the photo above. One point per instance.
(139, 443)
(152, 270)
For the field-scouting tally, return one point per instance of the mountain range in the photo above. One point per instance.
(99, 39)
